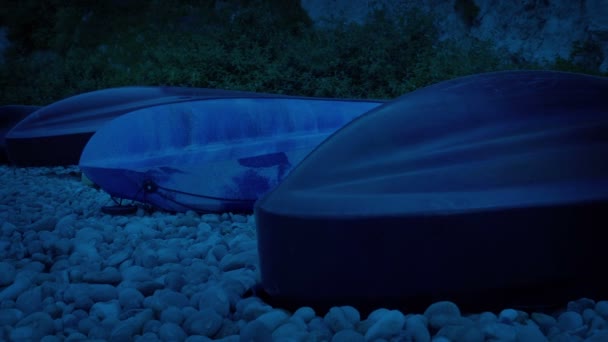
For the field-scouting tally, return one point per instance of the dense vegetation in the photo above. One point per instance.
(60, 50)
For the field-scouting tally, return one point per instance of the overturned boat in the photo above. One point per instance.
(488, 190)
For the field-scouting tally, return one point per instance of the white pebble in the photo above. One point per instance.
(215, 298)
(8, 229)
(388, 325)
(291, 331)
(500, 331)
(10, 316)
(171, 332)
(23, 280)
(30, 301)
(109, 275)
(7, 273)
(601, 308)
(273, 319)
(172, 315)
(256, 331)
(239, 260)
(136, 273)
(205, 322)
(529, 332)
(570, 321)
(341, 318)
(105, 310)
(33, 327)
(416, 328)
(508, 316)
(130, 298)
(251, 308)
(348, 336)
(304, 313)
(544, 321)
(442, 313)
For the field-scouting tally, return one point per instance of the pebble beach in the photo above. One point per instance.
(69, 272)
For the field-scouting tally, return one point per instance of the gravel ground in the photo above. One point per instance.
(69, 272)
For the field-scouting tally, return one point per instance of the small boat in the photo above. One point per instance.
(211, 155)
(57, 133)
(487, 190)
(10, 115)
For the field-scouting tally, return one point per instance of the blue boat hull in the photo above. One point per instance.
(211, 155)
(56, 134)
(471, 190)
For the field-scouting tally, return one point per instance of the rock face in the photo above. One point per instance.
(537, 30)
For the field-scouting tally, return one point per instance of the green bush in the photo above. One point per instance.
(259, 45)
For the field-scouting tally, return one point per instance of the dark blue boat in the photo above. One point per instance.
(488, 190)
(56, 134)
(10, 115)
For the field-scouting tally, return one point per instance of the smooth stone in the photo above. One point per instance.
(23, 281)
(152, 326)
(228, 328)
(94, 292)
(110, 275)
(319, 331)
(529, 332)
(291, 331)
(140, 230)
(130, 298)
(601, 308)
(51, 338)
(215, 298)
(441, 313)
(205, 322)
(104, 310)
(462, 333)
(167, 255)
(544, 321)
(500, 331)
(148, 337)
(125, 330)
(565, 337)
(118, 257)
(7, 273)
(47, 223)
(416, 328)
(348, 336)
(487, 318)
(198, 338)
(569, 321)
(175, 281)
(256, 331)
(598, 323)
(273, 319)
(164, 298)
(34, 326)
(341, 318)
(387, 326)
(148, 288)
(171, 332)
(600, 336)
(251, 308)
(580, 305)
(10, 316)
(239, 260)
(30, 301)
(304, 313)
(172, 315)
(508, 316)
